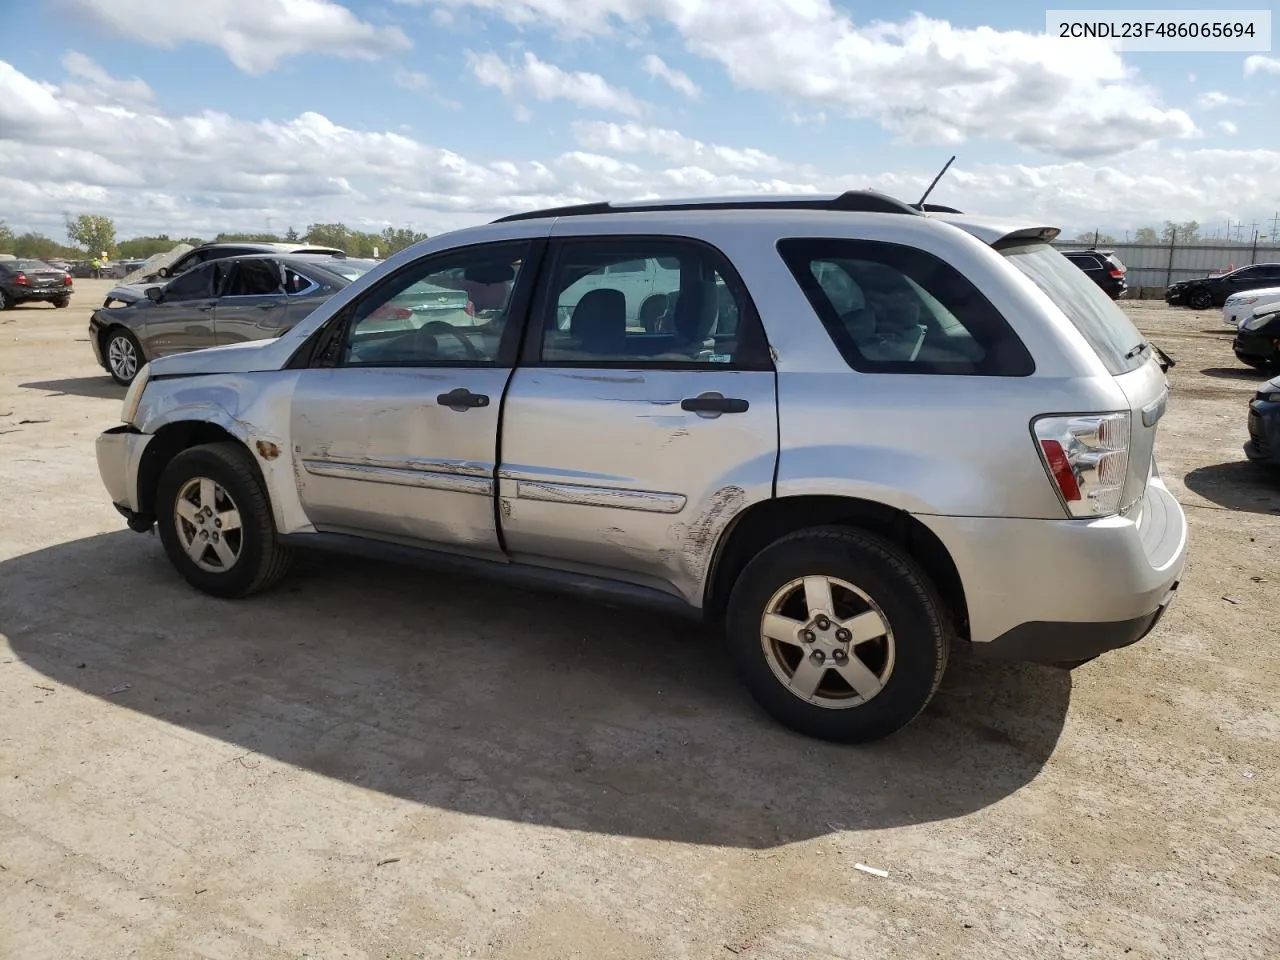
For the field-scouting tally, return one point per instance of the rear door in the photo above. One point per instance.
(183, 319)
(253, 305)
(626, 453)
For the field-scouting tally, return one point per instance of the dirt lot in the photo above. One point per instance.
(373, 762)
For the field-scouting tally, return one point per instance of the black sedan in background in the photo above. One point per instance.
(1257, 342)
(1102, 267)
(1264, 425)
(1205, 292)
(24, 281)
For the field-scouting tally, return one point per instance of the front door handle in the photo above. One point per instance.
(267, 306)
(713, 404)
(204, 307)
(462, 399)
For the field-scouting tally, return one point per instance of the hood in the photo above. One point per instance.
(129, 292)
(245, 357)
(1259, 293)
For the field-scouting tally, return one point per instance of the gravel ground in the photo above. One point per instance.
(375, 762)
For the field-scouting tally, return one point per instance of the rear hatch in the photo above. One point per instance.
(1123, 350)
(44, 277)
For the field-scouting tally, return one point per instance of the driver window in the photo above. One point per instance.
(442, 310)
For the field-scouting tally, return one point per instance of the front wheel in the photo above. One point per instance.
(839, 634)
(124, 355)
(215, 522)
(1200, 300)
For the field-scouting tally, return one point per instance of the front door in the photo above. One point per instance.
(625, 453)
(183, 319)
(396, 426)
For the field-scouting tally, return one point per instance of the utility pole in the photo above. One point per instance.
(1275, 227)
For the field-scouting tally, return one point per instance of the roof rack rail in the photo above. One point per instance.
(851, 201)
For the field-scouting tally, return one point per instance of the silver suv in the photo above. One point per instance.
(859, 433)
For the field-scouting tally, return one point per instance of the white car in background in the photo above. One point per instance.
(1242, 305)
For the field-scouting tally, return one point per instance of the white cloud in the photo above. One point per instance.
(545, 81)
(1214, 99)
(927, 81)
(207, 172)
(678, 80)
(673, 146)
(1260, 64)
(411, 80)
(1226, 126)
(101, 87)
(255, 34)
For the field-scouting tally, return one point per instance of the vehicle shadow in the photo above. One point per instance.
(1237, 485)
(103, 387)
(1235, 373)
(463, 695)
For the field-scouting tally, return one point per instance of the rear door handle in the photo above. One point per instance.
(462, 399)
(713, 404)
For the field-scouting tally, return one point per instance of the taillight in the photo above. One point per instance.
(21, 280)
(1087, 458)
(470, 309)
(1117, 273)
(403, 313)
(66, 279)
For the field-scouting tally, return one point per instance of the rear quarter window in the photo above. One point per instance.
(891, 308)
(1108, 331)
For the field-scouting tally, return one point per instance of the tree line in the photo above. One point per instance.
(91, 235)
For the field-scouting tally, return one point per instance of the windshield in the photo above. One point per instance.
(1111, 334)
(350, 269)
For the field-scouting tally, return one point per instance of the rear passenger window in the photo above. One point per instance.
(661, 302)
(896, 309)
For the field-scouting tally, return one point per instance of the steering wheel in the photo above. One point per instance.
(434, 326)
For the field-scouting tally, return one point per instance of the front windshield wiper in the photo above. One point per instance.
(1137, 349)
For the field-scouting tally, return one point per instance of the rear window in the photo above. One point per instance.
(890, 308)
(1104, 325)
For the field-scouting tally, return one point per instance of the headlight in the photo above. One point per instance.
(133, 396)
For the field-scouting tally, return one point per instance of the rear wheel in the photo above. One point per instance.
(839, 634)
(62, 302)
(6, 302)
(216, 524)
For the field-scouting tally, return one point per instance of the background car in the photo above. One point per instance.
(1264, 425)
(1257, 341)
(22, 281)
(1102, 267)
(245, 298)
(1241, 305)
(205, 253)
(1205, 292)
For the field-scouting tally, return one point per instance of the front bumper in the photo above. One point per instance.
(119, 452)
(1254, 349)
(1264, 432)
(1051, 591)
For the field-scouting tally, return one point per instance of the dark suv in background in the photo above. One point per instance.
(1103, 268)
(1202, 293)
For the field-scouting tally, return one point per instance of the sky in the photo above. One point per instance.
(249, 115)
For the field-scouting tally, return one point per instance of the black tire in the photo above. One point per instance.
(917, 617)
(62, 303)
(262, 560)
(124, 335)
(1200, 300)
(6, 301)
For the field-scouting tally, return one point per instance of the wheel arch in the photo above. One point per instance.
(170, 440)
(766, 521)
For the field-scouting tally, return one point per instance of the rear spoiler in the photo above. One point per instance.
(1020, 238)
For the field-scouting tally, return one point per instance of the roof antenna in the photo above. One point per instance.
(919, 205)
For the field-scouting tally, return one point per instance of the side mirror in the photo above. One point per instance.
(155, 294)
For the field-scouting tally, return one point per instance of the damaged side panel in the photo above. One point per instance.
(603, 472)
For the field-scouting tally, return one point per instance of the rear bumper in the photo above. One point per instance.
(119, 452)
(43, 294)
(1060, 590)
